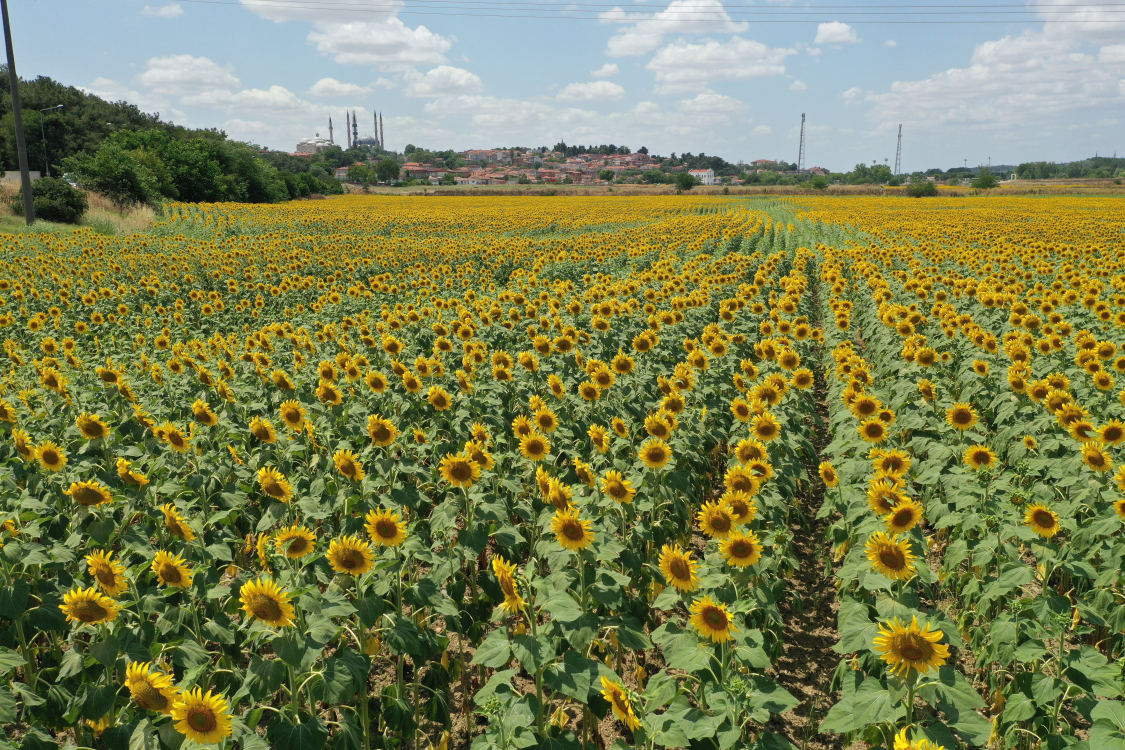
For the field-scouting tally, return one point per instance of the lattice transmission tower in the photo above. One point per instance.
(801, 154)
(898, 152)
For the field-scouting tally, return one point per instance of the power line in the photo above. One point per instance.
(559, 12)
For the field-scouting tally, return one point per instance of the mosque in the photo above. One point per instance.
(316, 144)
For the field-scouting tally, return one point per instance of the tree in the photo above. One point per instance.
(685, 181)
(53, 200)
(986, 179)
(921, 188)
(448, 179)
(819, 182)
(523, 180)
(606, 175)
(361, 173)
(643, 150)
(387, 170)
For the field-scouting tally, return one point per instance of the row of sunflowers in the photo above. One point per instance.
(974, 488)
(381, 473)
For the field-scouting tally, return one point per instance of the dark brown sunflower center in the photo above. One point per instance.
(892, 558)
(381, 433)
(656, 455)
(105, 575)
(297, 545)
(903, 517)
(88, 496)
(170, 573)
(741, 548)
(573, 530)
(265, 607)
(1044, 519)
(715, 617)
(148, 697)
(350, 559)
(386, 529)
(89, 611)
(202, 719)
(50, 456)
(720, 522)
(679, 568)
(914, 648)
(617, 489)
(460, 471)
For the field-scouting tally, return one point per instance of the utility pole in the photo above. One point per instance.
(43, 135)
(898, 153)
(801, 153)
(21, 142)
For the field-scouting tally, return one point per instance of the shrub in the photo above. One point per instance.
(986, 180)
(819, 182)
(53, 200)
(685, 181)
(922, 189)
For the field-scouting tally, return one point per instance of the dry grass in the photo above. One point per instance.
(102, 216)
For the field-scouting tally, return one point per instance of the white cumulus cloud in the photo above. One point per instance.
(164, 11)
(605, 71)
(682, 66)
(389, 43)
(332, 87)
(890, 43)
(762, 130)
(646, 31)
(835, 32)
(592, 91)
(798, 86)
(184, 74)
(444, 80)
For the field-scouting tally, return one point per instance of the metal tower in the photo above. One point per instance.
(801, 154)
(898, 152)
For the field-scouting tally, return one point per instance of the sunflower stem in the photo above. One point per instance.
(29, 669)
(294, 694)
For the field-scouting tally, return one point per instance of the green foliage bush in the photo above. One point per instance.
(921, 189)
(53, 200)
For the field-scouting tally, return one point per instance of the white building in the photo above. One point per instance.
(313, 145)
(704, 176)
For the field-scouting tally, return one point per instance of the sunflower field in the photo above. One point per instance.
(511, 472)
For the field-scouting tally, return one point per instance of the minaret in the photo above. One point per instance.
(355, 129)
(330, 138)
(375, 118)
(347, 129)
(382, 133)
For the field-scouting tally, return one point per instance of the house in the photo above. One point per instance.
(704, 176)
(341, 173)
(763, 163)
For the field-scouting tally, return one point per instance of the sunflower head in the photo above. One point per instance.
(891, 557)
(571, 532)
(1042, 520)
(295, 542)
(349, 466)
(678, 569)
(202, 717)
(88, 607)
(150, 688)
(655, 453)
(385, 528)
(712, 620)
(350, 555)
(264, 600)
(716, 519)
(906, 647)
(904, 516)
(741, 549)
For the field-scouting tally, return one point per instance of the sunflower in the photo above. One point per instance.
(741, 479)
(678, 568)
(889, 556)
(614, 693)
(263, 430)
(281, 380)
(89, 493)
(1095, 456)
(894, 462)
(348, 464)
(294, 542)
(599, 437)
(175, 438)
(202, 413)
(506, 577)
(477, 452)
(7, 413)
(1112, 432)
(906, 647)
(203, 718)
(570, 531)
(351, 555)
(828, 474)
(91, 426)
(1030, 443)
(1042, 520)
(712, 620)
(266, 601)
(904, 516)
(749, 450)
(327, 392)
(655, 453)
(979, 457)
(22, 442)
(716, 519)
(741, 549)
(741, 410)
(961, 416)
(873, 430)
(586, 474)
(385, 528)
(151, 689)
(588, 390)
(50, 456)
(381, 430)
(1119, 508)
(902, 743)
(376, 381)
(88, 607)
(292, 415)
(439, 398)
(618, 487)
(175, 523)
(274, 484)
(535, 447)
(742, 508)
(108, 573)
(171, 570)
(765, 427)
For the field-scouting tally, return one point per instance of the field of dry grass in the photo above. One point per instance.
(102, 216)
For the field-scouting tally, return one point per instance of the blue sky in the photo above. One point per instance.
(1040, 81)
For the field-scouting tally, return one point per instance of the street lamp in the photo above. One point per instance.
(43, 133)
